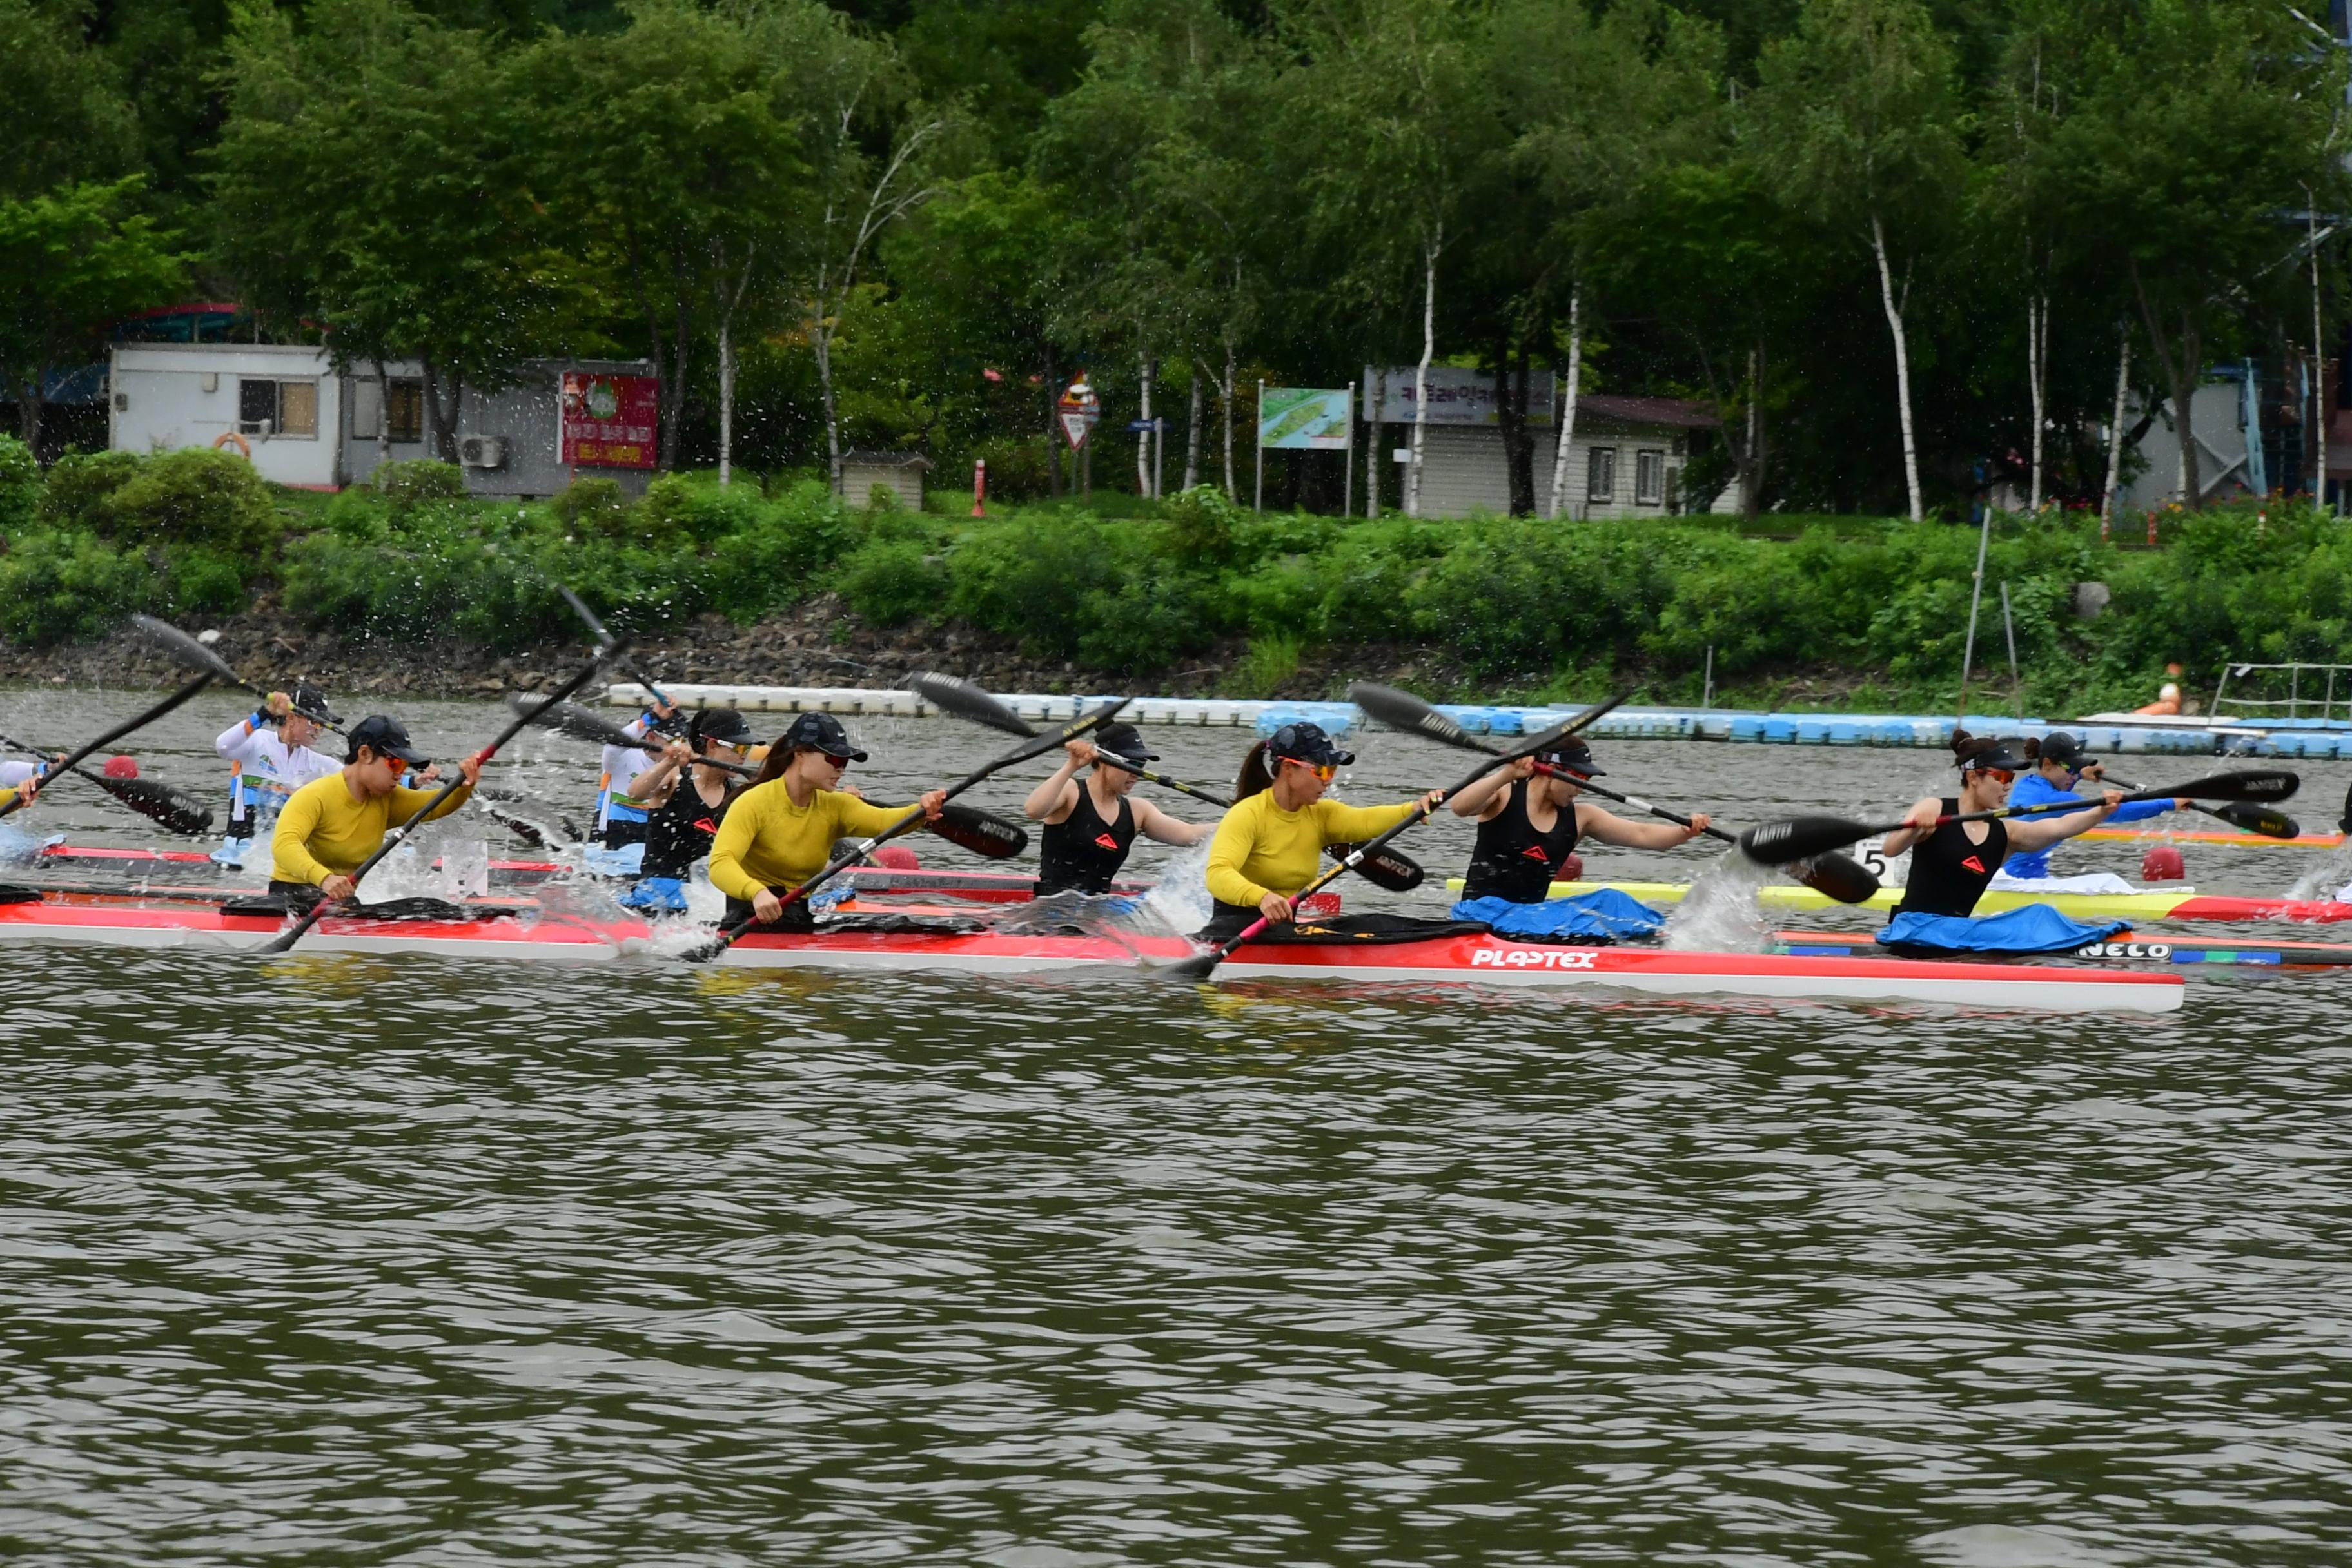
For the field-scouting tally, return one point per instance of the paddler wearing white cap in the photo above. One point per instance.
(1091, 824)
(269, 756)
(2058, 764)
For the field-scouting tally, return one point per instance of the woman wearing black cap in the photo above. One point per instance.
(685, 800)
(332, 824)
(1956, 861)
(1270, 843)
(1091, 824)
(1527, 830)
(779, 832)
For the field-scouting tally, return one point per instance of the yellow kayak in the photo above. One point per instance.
(2075, 906)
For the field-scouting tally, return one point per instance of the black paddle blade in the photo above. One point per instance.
(953, 694)
(571, 719)
(167, 638)
(2246, 785)
(1383, 868)
(1842, 877)
(1799, 838)
(1198, 967)
(1404, 710)
(539, 836)
(174, 809)
(2260, 819)
(969, 827)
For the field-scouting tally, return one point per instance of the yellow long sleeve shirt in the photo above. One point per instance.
(323, 832)
(1260, 848)
(766, 841)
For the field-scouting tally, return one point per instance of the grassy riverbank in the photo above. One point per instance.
(1808, 611)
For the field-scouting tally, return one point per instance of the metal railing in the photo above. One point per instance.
(2294, 699)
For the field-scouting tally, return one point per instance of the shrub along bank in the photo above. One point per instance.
(1516, 606)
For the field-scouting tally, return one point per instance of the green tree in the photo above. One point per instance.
(1856, 119)
(418, 232)
(72, 259)
(63, 115)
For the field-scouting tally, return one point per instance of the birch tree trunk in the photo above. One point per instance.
(1420, 373)
(821, 345)
(1192, 433)
(731, 291)
(1902, 361)
(2037, 368)
(2115, 434)
(2318, 358)
(1564, 413)
(382, 414)
(1143, 439)
(1226, 401)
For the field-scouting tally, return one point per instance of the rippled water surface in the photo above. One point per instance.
(338, 1260)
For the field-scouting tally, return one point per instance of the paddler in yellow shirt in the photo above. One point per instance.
(332, 824)
(781, 831)
(1270, 844)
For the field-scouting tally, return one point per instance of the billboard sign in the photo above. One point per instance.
(608, 420)
(1304, 419)
(1456, 396)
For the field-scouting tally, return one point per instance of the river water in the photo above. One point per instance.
(348, 1261)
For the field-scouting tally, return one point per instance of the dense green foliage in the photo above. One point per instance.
(906, 223)
(1514, 605)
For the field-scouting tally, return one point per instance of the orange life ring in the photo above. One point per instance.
(244, 447)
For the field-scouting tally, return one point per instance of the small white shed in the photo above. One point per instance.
(867, 476)
(280, 404)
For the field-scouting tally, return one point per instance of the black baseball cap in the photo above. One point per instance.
(1124, 741)
(823, 732)
(385, 736)
(2005, 753)
(724, 725)
(2064, 748)
(1571, 755)
(312, 704)
(1305, 743)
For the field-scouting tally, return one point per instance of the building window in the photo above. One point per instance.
(1649, 478)
(1601, 474)
(278, 407)
(406, 409)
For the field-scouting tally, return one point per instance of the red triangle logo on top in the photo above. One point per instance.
(1973, 864)
(1106, 841)
(1534, 852)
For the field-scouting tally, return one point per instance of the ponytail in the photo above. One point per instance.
(780, 757)
(1968, 750)
(1256, 775)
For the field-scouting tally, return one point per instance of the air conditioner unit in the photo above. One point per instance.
(483, 452)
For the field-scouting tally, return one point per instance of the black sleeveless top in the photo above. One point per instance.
(1949, 874)
(1082, 853)
(1512, 860)
(679, 833)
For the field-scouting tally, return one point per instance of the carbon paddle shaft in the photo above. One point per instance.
(909, 822)
(1200, 966)
(140, 722)
(392, 839)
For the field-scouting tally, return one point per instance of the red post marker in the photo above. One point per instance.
(979, 487)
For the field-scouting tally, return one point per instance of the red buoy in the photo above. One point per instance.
(1571, 869)
(2162, 864)
(896, 857)
(121, 767)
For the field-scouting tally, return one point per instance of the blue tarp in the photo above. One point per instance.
(1605, 913)
(2031, 928)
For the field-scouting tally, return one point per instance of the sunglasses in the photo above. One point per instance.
(1325, 772)
(2002, 774)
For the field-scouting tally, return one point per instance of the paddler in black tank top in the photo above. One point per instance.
(1951, 864)
(1530, 817)
(686, 801)
(1091, 822)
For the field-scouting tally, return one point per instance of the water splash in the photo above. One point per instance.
(2326, 879)
(1180, 899)
(1720, 914)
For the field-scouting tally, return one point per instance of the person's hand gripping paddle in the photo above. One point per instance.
(1802, 838)
(1840, 876)
(1201, 965)
(858, 851)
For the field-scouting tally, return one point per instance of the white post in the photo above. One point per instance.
(1159, 455)
(1563, 414)
(2318, 354)
(2116, 432)
(1257, 439)
(1374, 442)
(1348, 461)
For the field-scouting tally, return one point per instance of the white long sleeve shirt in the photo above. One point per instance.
(263, 771)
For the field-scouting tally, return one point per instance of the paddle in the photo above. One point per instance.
(1796, 838)
(1200, 966)
(392, 840)
(913, 819)
(605, 639)
(165, 638)
(126, 726)
(1840, 876)
(967, 827)
(174, 809)
(952, 694)
(2259, 819)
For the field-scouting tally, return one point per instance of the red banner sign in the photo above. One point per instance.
(608, 420)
